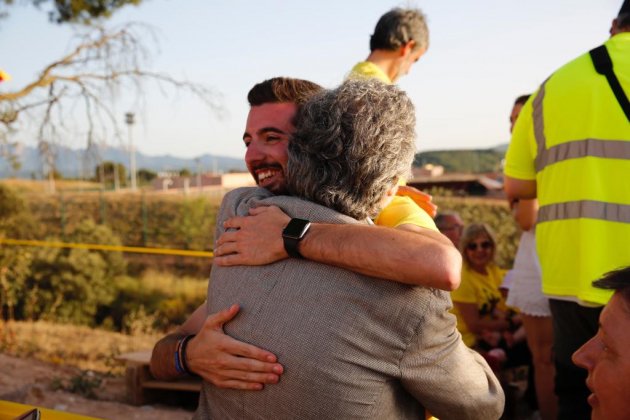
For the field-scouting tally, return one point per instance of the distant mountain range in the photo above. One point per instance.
(73, 163)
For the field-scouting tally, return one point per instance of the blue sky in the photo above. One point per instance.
(482, 55)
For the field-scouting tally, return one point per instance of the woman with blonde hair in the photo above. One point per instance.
(482, 314)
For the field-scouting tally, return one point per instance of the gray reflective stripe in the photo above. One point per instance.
(585, 209)
(539, 126)
(610, 149)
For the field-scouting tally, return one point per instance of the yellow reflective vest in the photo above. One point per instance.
(573, 139)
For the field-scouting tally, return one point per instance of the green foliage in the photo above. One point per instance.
(156, 300)
(106, 173)
(145, 176)
(462, 161)
(69, 285)
(197, 215)
(138, 220)
(16, 223)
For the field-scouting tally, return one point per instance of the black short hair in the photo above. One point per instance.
(399, 26)
(521, 99)
(617, 280)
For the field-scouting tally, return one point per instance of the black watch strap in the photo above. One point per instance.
(293, 234)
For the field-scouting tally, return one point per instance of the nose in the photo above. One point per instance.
(585, 355)
(254, 152)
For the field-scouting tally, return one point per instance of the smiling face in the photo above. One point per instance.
(269, 127)
(607, 360)
(479, 252)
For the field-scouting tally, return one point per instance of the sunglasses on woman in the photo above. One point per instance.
(483, 245)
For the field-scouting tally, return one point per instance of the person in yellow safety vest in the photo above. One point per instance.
(571, 149)
(400, 38)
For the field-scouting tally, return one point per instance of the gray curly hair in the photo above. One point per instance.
(351, 146)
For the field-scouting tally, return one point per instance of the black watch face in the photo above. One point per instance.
(296, 228)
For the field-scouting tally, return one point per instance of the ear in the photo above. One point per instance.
(406, 49)
(392, 191)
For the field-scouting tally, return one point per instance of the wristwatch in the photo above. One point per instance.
(293, 234)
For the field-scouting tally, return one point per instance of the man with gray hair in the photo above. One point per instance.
(352, 346)
(400, 38)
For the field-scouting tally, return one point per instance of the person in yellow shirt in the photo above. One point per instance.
(478, 303)
(400, 38)
(484, 319)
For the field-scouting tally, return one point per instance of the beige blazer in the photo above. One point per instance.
(352, 346)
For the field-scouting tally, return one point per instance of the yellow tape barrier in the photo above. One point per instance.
(136, 249)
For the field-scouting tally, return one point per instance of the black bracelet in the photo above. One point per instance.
(182, 350)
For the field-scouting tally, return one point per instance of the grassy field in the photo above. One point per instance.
(42, 186)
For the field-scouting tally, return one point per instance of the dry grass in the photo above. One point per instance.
(83, 347)
(39, 186)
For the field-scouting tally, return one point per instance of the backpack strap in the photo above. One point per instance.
(603, 65)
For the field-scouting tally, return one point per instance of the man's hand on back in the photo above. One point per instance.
(226, 362)
(257, 241)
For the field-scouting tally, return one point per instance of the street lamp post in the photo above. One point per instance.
(129, 119)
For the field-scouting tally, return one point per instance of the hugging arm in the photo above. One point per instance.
(450, 380)
(213, 355)
(408, 254)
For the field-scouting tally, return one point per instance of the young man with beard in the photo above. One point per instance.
(409, 254)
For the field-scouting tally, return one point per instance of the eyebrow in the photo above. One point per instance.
(265, 130)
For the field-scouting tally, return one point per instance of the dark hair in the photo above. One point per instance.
(399, 26)
(521, 99)
(623, 19)
(351, 145)
(282, 89)
(618, 280)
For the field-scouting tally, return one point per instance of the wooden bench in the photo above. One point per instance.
(142, 386)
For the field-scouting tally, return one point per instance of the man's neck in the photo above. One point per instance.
(386, 61)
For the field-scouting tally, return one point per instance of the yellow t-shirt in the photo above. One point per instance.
(368, 70)
(483, 291)
(403, 210)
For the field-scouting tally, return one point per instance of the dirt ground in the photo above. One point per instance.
(33, 382)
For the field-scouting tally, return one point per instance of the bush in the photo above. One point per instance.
(69, 285)
(16, 222)
(157, 300)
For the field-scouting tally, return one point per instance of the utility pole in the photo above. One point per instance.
(129, 119)
(199, 186)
